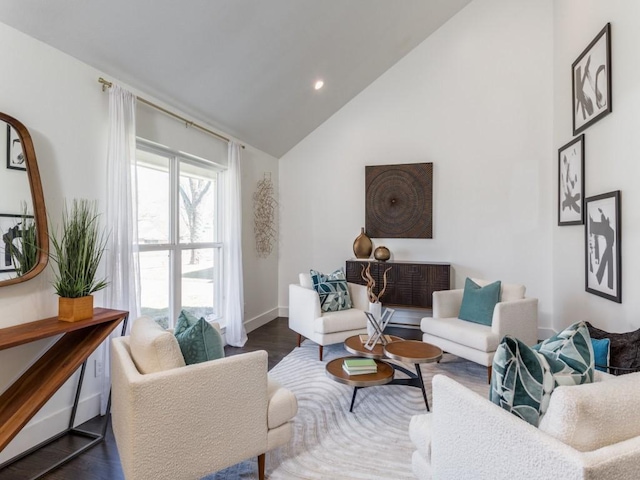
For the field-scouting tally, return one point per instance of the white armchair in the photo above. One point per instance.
(513, 315)
(325, 328)
(590, 432)
(184, 422)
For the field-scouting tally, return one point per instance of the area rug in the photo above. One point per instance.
(331, 443)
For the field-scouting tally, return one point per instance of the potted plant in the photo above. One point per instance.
(77, 252)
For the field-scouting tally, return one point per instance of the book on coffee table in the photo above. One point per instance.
(359, 366)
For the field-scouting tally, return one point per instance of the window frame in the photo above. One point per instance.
(175, 248)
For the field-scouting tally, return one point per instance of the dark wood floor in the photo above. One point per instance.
(102, 461)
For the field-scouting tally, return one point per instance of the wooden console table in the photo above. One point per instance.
(27, 395)
(409, 284)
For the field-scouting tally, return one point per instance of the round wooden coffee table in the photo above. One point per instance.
(383, 376)
(355, 346)
(416, 352)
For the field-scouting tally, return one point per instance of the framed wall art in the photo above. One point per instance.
(15, 155)
(571, 182)
(591, 82)
(602, 246)
(399, 200)
(10, 233)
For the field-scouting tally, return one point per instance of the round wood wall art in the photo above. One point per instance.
(399, 201)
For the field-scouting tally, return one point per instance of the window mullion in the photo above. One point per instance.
(175, 262)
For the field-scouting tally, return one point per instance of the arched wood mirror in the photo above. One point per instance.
(24, 242)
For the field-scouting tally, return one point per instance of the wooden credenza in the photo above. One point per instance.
(409, 284)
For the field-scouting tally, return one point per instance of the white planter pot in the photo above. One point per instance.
(376, 310)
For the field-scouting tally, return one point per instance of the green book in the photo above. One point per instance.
(359, 362)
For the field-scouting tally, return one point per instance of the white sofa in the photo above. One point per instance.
(590, 432)
(325, 328)
(174, 422)
(513, 315)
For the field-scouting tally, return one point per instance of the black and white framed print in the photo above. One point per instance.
(15, 155)
(603, 275)
(571, 182)
(591, 82)
(10, 233)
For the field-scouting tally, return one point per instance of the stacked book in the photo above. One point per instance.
(359, 366)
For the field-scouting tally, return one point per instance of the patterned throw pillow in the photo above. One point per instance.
(479, 302)
(524, 377)
(332, 290)
(198, 340)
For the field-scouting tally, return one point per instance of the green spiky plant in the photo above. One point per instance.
(78, 251)
(25, 256)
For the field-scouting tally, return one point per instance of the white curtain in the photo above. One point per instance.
(122, 266)
(233, 290)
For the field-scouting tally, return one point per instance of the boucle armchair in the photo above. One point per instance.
(513, 315)
(325, 328)
(184, 422)
(590, 432)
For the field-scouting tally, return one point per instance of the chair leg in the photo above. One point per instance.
(489, 370)
(321, 347)
(261, 459)
(299, 339)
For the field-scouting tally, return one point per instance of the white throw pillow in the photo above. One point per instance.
(153, 349)
(594, 415)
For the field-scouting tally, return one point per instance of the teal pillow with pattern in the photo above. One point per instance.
(332, 290)
(479, 302)
(199, 341)
(524, 377)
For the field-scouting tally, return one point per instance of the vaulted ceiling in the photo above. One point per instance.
(247, 67)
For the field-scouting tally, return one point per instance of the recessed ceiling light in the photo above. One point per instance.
(319, 84)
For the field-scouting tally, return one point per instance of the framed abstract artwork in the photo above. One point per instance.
(15, 156)
(399, 200)
(591, 82)
(571, 182)
(602, 246)
(10, 232)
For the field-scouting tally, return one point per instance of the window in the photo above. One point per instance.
(178, 234)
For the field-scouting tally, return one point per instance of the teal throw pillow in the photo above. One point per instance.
(601, 353)
(479, 302)
(524, 377)
(332, 290)
(198, 340)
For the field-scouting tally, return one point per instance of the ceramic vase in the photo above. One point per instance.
(376, 310)
(382, 254)
(362, 245)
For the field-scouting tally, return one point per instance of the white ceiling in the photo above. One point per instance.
(245, 66)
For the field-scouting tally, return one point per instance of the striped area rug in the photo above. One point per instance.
(331, 443)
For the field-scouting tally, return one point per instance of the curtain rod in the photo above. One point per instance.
(106, 84)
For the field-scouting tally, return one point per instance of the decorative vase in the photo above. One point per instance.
(376, 310)
(75, 309)
(362, 245)
(382, 253)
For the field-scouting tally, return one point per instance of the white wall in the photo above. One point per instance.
(475, 98)
(611, 158)
(60, 101)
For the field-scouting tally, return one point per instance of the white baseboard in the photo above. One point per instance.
(262, 319)
(283, 312)
(38, 431)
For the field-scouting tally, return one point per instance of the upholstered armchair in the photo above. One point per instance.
(325, 328)
(513, 315)
(184, 422)
(590, 432)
